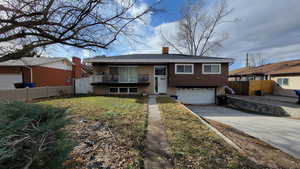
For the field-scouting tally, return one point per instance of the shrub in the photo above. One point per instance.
(31, 136)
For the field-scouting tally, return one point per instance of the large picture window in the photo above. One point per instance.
(184, 68)
(211, 68)
(124, 74)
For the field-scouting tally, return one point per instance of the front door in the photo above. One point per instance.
(160, 78)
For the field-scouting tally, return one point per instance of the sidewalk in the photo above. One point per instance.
(157, 153)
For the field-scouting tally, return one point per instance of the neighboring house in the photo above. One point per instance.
(286, 74)
(86, 70)
(42, 71)
(194, 79)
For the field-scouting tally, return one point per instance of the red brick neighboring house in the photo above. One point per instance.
(42, 71)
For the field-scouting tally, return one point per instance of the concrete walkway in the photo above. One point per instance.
(157, 153)
(282, 133)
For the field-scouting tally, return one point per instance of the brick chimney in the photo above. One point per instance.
(165, 50)
(76, 67)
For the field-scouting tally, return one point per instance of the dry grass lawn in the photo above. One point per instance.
(194, 146)
(125, 116)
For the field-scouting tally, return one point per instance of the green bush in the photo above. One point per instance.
(31, 136)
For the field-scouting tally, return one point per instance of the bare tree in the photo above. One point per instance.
(27, 25)
(258, 60)
(197, 29)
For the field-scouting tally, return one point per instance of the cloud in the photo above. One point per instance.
(153, 42)
(268, 27)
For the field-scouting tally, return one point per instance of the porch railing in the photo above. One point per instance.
(141, 78)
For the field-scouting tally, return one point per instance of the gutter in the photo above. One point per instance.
(111, 60)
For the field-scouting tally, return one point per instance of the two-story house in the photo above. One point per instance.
(194, 79)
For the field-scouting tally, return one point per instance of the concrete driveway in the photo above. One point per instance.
(282, 133)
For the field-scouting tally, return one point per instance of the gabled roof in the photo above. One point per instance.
(157, 58)
(290, 70)
(240, 71)
(285, 67)
(32, 61)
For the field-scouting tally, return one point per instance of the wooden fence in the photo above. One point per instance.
(239, 87)
(28, 94)
(250, 87)
(263, 85)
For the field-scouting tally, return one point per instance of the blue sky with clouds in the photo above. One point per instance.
(268, 27)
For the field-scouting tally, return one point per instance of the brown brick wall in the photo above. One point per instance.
(43, 76)
(149, 70)
(10, 70)
(76, 67)
(198, 79)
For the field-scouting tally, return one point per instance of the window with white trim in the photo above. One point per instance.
(184, 68)
(283, 81)
(211, 68)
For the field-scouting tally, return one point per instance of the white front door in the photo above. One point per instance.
(160, 79)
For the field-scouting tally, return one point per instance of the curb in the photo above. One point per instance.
(226, 139)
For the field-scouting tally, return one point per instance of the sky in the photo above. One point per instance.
(270, 28)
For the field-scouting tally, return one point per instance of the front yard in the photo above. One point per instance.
(109, 131)
(193, 145)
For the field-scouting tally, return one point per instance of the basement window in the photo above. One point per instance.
(113, 90)
(133, 90)
(123, 90)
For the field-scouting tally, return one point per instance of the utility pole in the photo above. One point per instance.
(247, 60)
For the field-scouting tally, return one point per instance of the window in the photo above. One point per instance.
(283, 81)
(124, 74)
(113, 90)
(184, 68)
(133, 90)
(251, 78)
(123, 90)
(160, 70)
(211, 68)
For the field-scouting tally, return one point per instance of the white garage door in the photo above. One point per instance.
(7, 81)
(196, 95)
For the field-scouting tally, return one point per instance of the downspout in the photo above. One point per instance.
(31, 79)
(25, 65)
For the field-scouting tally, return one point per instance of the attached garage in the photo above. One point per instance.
(196, 95)
(7, 81)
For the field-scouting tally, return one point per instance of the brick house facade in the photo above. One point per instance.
(40, 71)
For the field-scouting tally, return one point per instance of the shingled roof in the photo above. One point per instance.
(156, 58)
(32, 61)
(286, 67)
